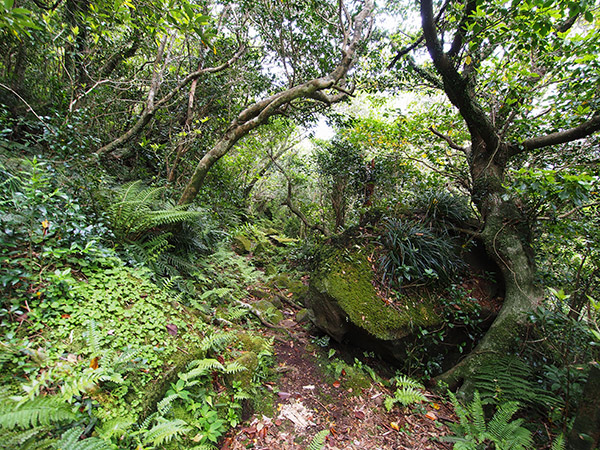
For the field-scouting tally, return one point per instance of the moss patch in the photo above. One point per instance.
(348, 279)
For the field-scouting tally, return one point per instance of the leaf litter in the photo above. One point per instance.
(356, 418)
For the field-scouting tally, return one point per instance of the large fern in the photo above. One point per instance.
(408, 392)
(141, 222)
(502, 433)
(35, 412)
(165, 431)
(510, 379)
(29, 439)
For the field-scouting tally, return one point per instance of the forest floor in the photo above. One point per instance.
(310, 399)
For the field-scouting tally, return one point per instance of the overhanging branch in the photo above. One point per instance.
(560, 137)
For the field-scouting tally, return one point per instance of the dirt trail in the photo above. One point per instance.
(309, 400)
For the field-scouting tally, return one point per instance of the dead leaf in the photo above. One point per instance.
(94, 363)
(262, 433)
(359, 415)
(435, 405)
(336, 384)
(431, 415)
(395, 426)
(227, 444)
(284, 395)
(172, 329)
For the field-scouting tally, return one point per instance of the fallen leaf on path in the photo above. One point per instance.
(359, 415)
(431, 415)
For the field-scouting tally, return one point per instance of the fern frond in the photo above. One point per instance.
(478, 415)
(22, 439)
(165, 431)
(125, 359)
(404, 381)
(234, 367)
(409, 396)
(148, 420)
(319, 440)
(164, 405)
(216, 341)
(236, 313)
(93, 337)
(559, 443)
(87, 380)
(510, 379)
(70, 441)
(201, 367)
(501, 418)
(203, 447)
(39, 411)
(116, 427)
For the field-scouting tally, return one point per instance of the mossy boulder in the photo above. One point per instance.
(249, 360)
(347, 306)
(242, 244)
(269, 311)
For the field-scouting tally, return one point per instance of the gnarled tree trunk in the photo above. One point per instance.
(507, 238)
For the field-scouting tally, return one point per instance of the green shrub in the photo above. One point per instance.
(442, 209)
(413, 253)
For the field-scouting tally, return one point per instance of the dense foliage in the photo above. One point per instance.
(161, 160)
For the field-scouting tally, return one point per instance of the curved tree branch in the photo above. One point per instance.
(258, 113)
(560, 137)
(152, 106)
(459, 91)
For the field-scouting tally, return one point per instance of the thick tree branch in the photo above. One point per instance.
(462, 29)
(409, 48)
(560, 137)
(259, 112)
(458, 90)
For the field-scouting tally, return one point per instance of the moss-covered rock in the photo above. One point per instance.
(344, 301)
(249, 360)
(302, 315)
(269, 311)
(242, 244)
(252, 343)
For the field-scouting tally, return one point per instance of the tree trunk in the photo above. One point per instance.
(585, 434)
(507, 238)
(258, 113)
